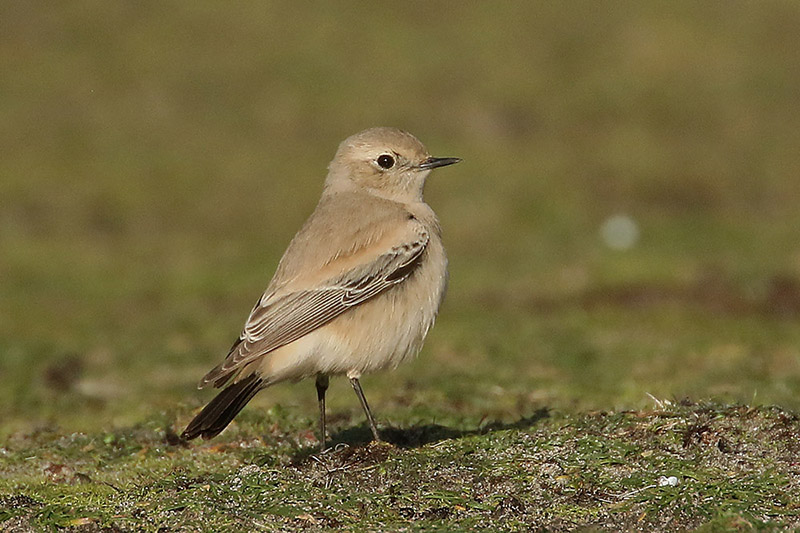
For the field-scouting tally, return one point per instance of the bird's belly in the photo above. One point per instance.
(381, 333)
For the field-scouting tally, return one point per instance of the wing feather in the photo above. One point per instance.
(278, 319)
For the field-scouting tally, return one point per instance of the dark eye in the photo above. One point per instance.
(385, 161)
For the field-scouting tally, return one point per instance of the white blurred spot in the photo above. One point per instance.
(620, 232)
(671, 481)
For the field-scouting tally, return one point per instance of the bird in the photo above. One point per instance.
(357, 290)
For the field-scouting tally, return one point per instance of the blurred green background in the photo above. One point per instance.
(158, 157)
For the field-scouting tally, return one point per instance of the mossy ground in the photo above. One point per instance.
(676, 466)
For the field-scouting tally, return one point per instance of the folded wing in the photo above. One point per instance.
(280, 318)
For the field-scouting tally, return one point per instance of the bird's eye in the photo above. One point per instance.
(385, 161)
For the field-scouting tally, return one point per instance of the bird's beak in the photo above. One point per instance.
(436, 162)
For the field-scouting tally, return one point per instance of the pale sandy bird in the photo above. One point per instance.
(357, 289)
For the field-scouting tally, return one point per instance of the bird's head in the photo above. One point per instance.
(386, 162)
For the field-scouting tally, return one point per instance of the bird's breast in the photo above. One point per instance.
(391, 327)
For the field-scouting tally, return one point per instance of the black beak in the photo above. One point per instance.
(436, 162)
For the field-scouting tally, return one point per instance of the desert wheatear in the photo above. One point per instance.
(356, 291)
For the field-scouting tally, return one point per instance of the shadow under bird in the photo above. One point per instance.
(356, 291)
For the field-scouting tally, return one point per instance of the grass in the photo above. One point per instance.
(157, 160)
(552, 470)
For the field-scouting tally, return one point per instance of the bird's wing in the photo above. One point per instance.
(282, 317)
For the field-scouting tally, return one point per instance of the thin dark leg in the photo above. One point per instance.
(357, 387)
(322, 386)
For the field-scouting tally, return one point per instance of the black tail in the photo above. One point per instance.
(220, 411)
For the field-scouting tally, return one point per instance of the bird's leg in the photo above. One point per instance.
(357, 387)
(322, 386)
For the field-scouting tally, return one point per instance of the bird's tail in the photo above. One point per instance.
(220, 411)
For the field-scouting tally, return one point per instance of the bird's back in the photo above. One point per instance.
(342, 226)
